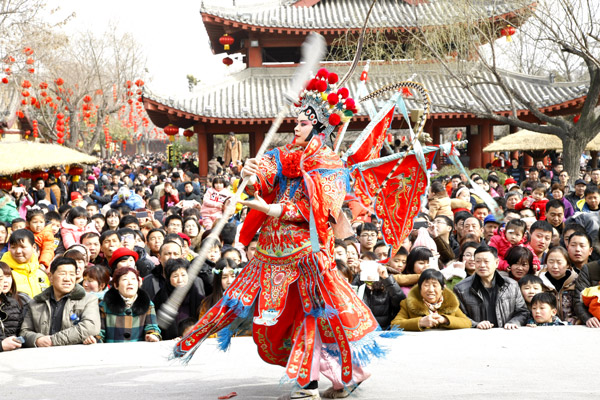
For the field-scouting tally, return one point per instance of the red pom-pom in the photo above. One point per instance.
(312, 85)
(321, 86)
(332, 99)
(323, 73)
(334, 119)
(343, 92)
(350, 104)
(333, 78)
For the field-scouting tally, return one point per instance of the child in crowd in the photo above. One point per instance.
(416, 262)
(591, 299)
(591, 199)
(53, 220)
(543, 311)
(461, 200)
(513, 234)
(398, 262)
(18, 223)
(75, 225)
(536, 202)
(530, 285)
(214, 200)
(439, 202)
(44, 238)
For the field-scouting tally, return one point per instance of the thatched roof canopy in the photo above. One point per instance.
(525, 140)
(19, 156)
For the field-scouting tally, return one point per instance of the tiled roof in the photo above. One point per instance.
(255, 93)
(349, 14)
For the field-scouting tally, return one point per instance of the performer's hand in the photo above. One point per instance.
(250, 167)
(228, 208)
(256, 204)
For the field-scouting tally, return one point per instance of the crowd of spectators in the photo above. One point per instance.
(91, 260)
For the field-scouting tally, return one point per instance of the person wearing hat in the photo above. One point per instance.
(490, 224)
(77, 200)
(510, 183)
(123, 257)
(578, 193)
(233, 150)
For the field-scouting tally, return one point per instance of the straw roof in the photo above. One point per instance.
(525, 140)
(19, 156)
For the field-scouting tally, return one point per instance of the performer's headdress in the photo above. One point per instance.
(326, 105)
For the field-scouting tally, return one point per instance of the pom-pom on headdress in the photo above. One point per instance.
(324, 104)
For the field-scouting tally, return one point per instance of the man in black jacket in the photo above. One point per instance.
(489, 299)
(588, 276)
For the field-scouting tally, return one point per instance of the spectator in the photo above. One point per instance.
(113, 220)
(11, 311)
(520, 262)
(416, 262)
(559, 279)
(589, 276)
(382, 297)
(156, 280)
(225, 272)
(488, 299)
(578, 193)
(490, 225)
(461, 201)
(473, 229)
(214, 200)
(96, 279)
(591, 199)
(75, 225)
(22, 260)
(367, 237)
(541, 236)
(430, 305)
(174, 224)
(439, 202)
(44, 238)
(579, 250)
(109, 242)
(512, 235)
(555, 214)
(512, 198)
(91, 241)
(440, 231)
(127, 313)
(530, 285)
(543, 309)
(63, 314)
(558, 193)
(480, 211)
(516, 172)
(536, 202)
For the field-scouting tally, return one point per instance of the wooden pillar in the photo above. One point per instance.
(435, 134)
(203, 156)
(487, 136)
(254, 52)
(256, 140)
(474, 151)
(594, 161)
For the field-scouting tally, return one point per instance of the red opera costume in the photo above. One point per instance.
(303, 312)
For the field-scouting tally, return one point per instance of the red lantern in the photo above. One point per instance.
(226, 41)
(54, 171)
(5, 184)
(25, 175)
(75, 170)
(508, 32)
(188, 133)
(227, 61)
(171, 130)
(35, 175)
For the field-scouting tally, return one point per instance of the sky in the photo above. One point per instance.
(171, 33)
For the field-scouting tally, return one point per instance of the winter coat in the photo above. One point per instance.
(518, 174)
(588, 276)
(212, 206)
(45, 241)
(155, 281)
(133, 201)
(188, 309)
(565, 298)
(501, 243)
(8, 209)
(233, 151)
(510, 306)
(122, 324)
(538, 207)
(72, 235)
(440, 206)
(569, 211)
(583, 207)
(413, 308)
(460, 205)
(144, 264)
(12, 317)
(29, 277)
(80, 319)
(168, 201)
(384, 304)
(190, 196)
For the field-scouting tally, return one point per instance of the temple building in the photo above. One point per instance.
(269, 39)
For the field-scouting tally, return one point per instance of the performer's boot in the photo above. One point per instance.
(310, 393)
(332, 393)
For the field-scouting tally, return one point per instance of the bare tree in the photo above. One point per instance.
(555, 38)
